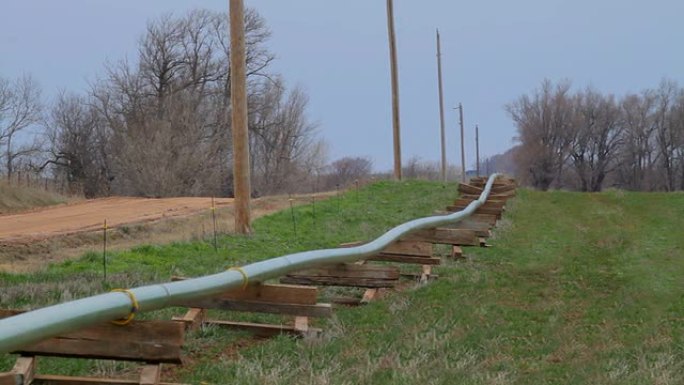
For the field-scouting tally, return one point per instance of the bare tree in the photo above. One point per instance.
(637, 153)
(79, 147)
(635, 143)
(348, 169)
(678, 127)
(283, 147)
(597, 136)
(168, 117)
(416, 168)
(159, 125)
(667, 131)
(20, 108)
(544, 131)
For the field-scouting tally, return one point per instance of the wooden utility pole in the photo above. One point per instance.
(395, 90)
(477, 148)
(441, 108)
(238, 102)
(463, 165)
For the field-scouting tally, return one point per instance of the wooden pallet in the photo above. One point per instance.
(301, 302)
(152, 343)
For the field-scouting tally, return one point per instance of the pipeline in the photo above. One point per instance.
(27, 328)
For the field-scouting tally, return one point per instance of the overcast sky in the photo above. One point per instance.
(493, 51)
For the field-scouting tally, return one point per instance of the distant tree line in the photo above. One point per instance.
(158, 124)
(587, 140)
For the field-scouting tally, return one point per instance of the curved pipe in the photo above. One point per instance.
(37, 325)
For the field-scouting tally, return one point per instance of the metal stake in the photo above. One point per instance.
(213, 217)
(104, 250)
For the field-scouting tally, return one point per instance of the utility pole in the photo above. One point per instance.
(463, 166)
(441, 107)
(477, 148)
(238, 102)
(395, 90)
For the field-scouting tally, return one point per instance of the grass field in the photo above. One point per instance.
(578, 289)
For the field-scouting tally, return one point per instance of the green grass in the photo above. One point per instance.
(578, 289)
(14, 198)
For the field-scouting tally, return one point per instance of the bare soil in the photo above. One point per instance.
(90, 215)
(31, 240)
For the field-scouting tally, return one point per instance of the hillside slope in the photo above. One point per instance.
(577, 289)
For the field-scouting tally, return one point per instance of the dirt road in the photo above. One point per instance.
(89, 215)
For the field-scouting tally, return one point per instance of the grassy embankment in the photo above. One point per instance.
(14, 199)
(578, 289)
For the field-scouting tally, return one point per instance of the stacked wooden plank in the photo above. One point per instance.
(474, 230)
(151, 342)
(301, 302)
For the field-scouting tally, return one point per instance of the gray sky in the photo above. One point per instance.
(493, 51)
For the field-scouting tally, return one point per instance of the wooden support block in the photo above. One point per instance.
(262, 330)
(317, 310)
(456, 252)
(346, 275)
(347, 270)
(464, 202)
(271, 293)
(417, 276)
(403, 252)
(338, 281)
(192, 319)
(486, 218)
(480, 229)
(150, 375)
(427, 271)
(369, 295)
(469, 189)
(413, 248)
(479, 210)
(146, 341)
(9, 378)
(499, 179)
(401, 247)
(301, 324)
(22, 373)
(475, 222)
(497, 197)
(4, 313)
(445, 236)
(496, 184)
(42, 379)
(406, 259)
